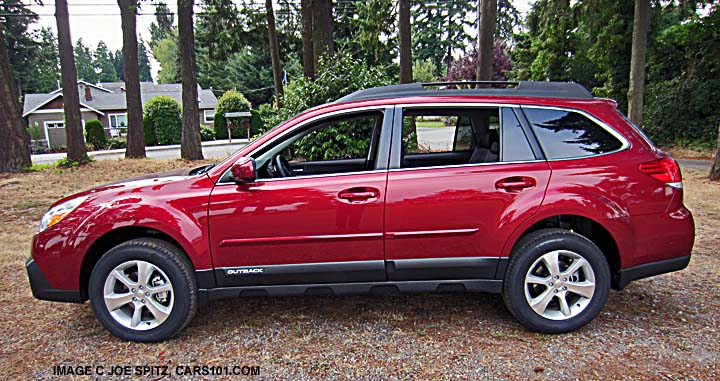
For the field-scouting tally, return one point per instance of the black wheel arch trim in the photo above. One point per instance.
(623, 277)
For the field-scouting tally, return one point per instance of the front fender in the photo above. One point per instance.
(183, 227)
(178, 209)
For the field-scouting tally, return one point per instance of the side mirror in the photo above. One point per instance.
(243, 170)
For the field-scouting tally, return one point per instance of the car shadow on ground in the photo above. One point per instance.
(439, 313)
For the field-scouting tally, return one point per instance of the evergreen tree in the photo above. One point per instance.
(43, 73)
(119, 64)
(144, 62)
(84, 63)
(162, 27)
(439, 27)
(105, 64)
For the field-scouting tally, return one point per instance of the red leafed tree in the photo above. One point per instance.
(465, 68)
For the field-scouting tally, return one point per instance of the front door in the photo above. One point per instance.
(297, 228)
(464, 180)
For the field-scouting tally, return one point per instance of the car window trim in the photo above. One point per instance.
(529, 133)
(397, 135)
(386, 110)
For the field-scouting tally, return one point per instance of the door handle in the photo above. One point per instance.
(515, 183)
(358, 194)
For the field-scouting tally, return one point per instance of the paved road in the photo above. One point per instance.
(703, 165)
(218, 149)
(436, 138)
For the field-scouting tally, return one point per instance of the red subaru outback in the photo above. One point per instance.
(540, 192)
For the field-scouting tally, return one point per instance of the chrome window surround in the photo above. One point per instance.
(625, 143)
(302, 124)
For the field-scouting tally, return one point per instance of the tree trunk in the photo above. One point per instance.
(715, 169)
(14, 139)
(190, 143)
(136, 134)
(274, 52)
(76, 150)
(486, 38)
(308, 58)
(404, 40)
(322, 29)
(637, 62)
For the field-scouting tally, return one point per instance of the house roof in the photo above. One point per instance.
(42, 99)
(80, 81)
(112, 96)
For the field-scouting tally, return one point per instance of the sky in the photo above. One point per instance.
(99, 20)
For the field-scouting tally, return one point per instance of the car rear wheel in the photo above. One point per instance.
(143, 290)
(556, 281)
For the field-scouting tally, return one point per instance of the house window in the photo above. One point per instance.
(209, 116)
(118, 124)
(50, 125)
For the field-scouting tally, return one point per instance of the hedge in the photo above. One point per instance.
(149, 129)
(231, 101)
(165, 115)
(681, 112)
(95, 134)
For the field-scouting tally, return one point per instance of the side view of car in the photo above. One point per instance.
(535, 190)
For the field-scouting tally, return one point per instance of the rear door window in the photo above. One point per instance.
(565, 134)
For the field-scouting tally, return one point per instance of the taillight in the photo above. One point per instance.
(665, 170)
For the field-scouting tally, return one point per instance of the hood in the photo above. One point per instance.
(183, 172)
(140, 181)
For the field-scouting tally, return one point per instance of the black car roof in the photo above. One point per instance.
(540, 89)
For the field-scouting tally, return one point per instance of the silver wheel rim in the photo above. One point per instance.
(138, 295)
(559, 285)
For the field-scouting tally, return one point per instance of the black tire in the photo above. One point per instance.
(167, 258)
(529, 250)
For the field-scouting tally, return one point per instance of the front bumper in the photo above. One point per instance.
(625, 276)
(42, 290)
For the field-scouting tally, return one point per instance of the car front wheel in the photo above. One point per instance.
(556, 281)
(143, 290)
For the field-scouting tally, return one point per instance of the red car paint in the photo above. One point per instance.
(396, 214)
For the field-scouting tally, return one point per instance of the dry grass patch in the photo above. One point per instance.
(660, 328)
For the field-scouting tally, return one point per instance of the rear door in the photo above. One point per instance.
(449, 220)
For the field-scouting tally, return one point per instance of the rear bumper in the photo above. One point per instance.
(42, 290)
(625, 276)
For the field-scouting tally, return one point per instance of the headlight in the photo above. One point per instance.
(58, 212)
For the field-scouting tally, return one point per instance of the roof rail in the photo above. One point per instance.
(457, 84)
(569, 90)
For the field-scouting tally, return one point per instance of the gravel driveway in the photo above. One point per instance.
(661, 328)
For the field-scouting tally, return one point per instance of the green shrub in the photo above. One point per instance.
(165, 115)
(424, 71)
(231, 101)
(116, 143)
(95, 134)
(207, 133)
(67, 163)
(35, 131)
(677, 112)
(220, 126)
(336, 77)
(261, 116)
(149, 129)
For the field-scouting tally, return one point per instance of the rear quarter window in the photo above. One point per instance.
(565, 134)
